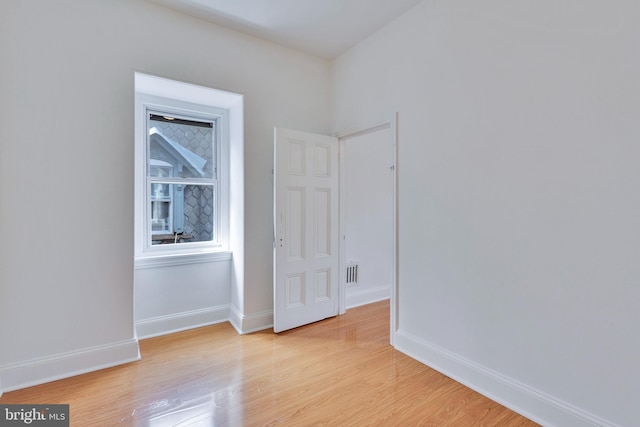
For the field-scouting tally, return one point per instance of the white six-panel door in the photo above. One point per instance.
(306, 263)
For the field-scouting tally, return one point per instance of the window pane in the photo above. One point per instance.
(160, 171)
(160, 192)
(185, 214)
(160, 217)
(181, 150)
(198, 212)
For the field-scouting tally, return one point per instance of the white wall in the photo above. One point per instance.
(177, 297)
(368, 201)
(66, 168)
(519, 215)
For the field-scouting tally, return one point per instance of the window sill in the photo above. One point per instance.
(169, 260)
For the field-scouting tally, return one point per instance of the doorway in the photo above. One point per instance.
(367, 216)
(305, 201)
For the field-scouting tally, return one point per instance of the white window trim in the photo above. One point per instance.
(181, 259)
(146, 89)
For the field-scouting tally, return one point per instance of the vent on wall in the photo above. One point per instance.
(352, 274)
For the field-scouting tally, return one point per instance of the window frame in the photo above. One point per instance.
(212, 116)
(146, 104)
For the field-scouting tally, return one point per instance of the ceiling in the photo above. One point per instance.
(325, 28)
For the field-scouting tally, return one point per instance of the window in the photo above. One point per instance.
(182, 179)
(182, 168)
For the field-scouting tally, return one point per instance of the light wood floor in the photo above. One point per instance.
(339, 372)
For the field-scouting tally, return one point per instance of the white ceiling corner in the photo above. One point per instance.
(325, 28)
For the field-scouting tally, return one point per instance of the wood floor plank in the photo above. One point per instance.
(338, 372)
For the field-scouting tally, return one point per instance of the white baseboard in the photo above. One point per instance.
(39, 371)
(163, 325)
(521, 398)
(356, 297)
(235, 318)
(245, 324)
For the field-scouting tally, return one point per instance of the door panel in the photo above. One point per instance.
(306, 264)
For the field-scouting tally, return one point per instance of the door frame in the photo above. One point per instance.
(390, 124)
